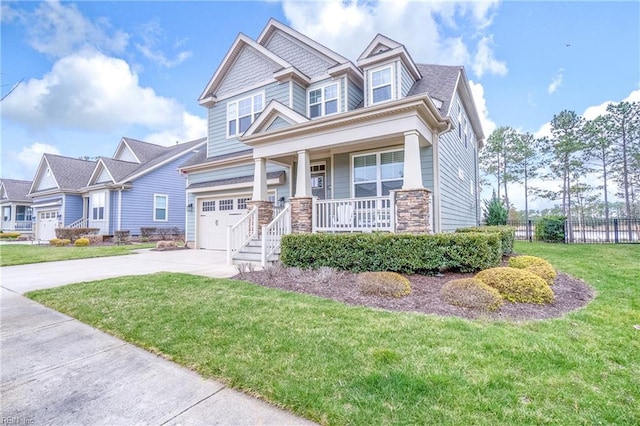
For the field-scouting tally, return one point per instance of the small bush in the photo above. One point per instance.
(517, 285)
(59, 242)
(534, 264)
(550, 229)
(9, 235)
(471, 293)
(507, 235)
(81, 242)
(386, 284)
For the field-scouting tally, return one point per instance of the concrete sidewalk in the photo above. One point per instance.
(56, 370)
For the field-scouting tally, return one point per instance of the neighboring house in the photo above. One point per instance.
(383, 144)
(139, 186)
(15, 205)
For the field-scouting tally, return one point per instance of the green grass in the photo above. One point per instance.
(338, 364)
(21, 254)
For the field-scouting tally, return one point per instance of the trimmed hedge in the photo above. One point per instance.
(81, 242)
(9, 235)
(72, 234)
(385, 284)
(60, 242)
(507, 235)
(517, 285)
(550, 229)
(471, 293)
(403, 253)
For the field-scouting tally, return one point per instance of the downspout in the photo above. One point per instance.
(120, 208)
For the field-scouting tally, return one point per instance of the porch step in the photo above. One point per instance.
(251, 253)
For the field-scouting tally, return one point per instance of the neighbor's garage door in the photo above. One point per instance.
(214, 215)
(47, 222)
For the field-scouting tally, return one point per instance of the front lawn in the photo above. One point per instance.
(339, 364)
(21, 254)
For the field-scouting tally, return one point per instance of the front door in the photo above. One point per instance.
(319, 180)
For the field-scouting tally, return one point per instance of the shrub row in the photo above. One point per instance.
(9, 235)
(507, 235)
(404, 253)
(161, 233)
(72, 234)
(60, 242)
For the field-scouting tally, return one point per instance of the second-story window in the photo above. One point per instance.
(241, 113)
(323, 101)
(381, 85)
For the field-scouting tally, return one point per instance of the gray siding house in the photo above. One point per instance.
(301, 139)
(15, 206)
(139, 186)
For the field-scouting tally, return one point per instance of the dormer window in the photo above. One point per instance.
(381, 85)
(323, 100)
(242, 112)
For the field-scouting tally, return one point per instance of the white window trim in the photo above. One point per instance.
(166, 208)
(323, 100)
(392, 83)
(237, 119)
(378, 170)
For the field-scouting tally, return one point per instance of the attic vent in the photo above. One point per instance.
(48, 172)
(380, 49)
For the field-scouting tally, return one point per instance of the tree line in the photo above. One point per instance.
(607, 147)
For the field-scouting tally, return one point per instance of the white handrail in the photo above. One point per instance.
(239, 235)
(273, 232)
(80, 223)
(353, 214)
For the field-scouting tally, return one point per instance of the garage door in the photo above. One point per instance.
(47, 222)
(214, 216)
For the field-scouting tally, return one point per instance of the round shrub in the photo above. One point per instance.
(534, 264)
(387, 284)
(471, 293)
(59, 242)
(81, 242)
(517, 285)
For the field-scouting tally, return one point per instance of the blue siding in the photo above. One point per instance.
(407, 81)
(356, 95)
(298, 55)
(299, 99)
(113, 212)
(137, 203)
(341, 176)
(72, 207)
(278, 123)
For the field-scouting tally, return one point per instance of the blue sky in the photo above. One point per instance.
(92, 72)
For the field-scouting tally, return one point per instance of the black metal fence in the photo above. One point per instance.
(588, 231)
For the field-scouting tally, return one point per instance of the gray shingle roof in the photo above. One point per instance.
(439, 81)
(70, 173)
(145, 151)
(119, 169)
(16, 190)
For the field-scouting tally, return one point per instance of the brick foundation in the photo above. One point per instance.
(301, 215)
(412, 211)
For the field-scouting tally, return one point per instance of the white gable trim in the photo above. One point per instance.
(122, 146)
(240, 42)
(378, 40)
(40, 172)
(273, 110)
(274, 25)
(97, 171)
(400, 52)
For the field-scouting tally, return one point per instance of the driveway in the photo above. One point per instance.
(56, 370)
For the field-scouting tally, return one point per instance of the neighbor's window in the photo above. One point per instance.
(381, 85)
(6, 213)
(376, 174)
(241, 113)
(323, 100)
(160, 207)
(98, 203)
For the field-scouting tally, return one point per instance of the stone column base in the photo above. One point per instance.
(301, 215)
(265, 212)
(412, 210)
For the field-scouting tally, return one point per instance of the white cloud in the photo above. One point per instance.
(94, 92)
(152, 35)
(488, 125)
(556, 81)
(596, 110)
(30, 156)
(58, 30)
(433, 32)
(190, 128)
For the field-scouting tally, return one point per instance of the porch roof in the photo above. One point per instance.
(279, 176)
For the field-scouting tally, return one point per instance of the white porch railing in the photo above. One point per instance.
(23, 225)
(80, 223)
(353, 215)
(239, 235)
(273, 232)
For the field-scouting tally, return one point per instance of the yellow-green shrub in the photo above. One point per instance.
(9, 235)
(388, 284)
(81, 242)
(471, 293)
(535, 264)
(517, 285)
(58, 242)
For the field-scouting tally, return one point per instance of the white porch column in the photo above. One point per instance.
(303, 176)
(260, 180)
(412, 164)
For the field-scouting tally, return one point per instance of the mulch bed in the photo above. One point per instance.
(570, 294)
